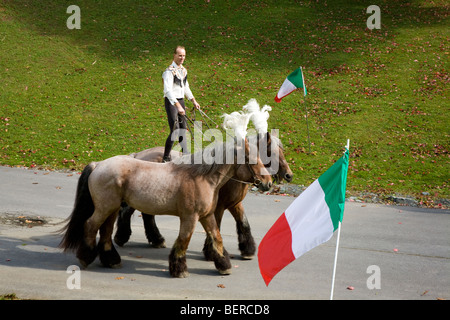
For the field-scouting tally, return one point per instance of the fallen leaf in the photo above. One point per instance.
(119, 278)
(220, 286)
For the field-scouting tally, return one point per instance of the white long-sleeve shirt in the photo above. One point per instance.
(176, 85)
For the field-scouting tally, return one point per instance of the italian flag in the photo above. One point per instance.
(293, 81)
(309, 221)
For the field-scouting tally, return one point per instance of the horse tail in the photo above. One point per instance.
(83, 209)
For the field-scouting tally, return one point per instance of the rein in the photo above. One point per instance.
(204, 115)
(256, 181)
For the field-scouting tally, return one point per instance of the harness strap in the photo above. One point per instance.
(255, 182)
(240, 181)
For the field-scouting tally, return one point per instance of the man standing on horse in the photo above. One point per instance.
(176, 87)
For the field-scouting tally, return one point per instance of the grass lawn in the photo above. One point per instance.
(69, 97)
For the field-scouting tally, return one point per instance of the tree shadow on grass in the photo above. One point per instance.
(275, 34)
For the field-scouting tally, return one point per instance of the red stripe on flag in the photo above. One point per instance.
(275, 249)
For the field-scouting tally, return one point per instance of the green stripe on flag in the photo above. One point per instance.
(296, 78)
(333, 183)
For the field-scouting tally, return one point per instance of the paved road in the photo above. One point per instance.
(409, 247)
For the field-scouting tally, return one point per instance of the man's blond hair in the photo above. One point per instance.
(178, 47)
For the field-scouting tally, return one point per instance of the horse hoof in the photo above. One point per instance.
(83, 264)
(177, 265)
(120, 242)
(225, 272)
(158, 245)
(110, 258)
(86, 255)
(247, 257)
(183, 274)
(116, 266)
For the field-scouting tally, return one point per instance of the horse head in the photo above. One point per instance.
(276, 163)
(260, 176)
(238, 121)
(272, 153)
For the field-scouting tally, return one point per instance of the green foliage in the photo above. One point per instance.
(69, 97)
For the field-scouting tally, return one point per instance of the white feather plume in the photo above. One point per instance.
(258, 116)
(237, 121)
(251, 106)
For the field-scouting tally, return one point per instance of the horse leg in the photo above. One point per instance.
(218, 214)
(123, 232)
(154, 237)
(177, 256)
(109, 256)
(87, 251)
(247, 244)
(215, 247)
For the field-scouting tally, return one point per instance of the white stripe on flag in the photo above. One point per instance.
(286, 88)
(309, 220)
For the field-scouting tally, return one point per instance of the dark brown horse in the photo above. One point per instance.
(231, 196)
(189, 191)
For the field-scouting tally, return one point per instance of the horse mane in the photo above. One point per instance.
(253, 139)
(189, 162)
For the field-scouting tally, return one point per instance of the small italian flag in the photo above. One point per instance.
(293, 81)
(309, 221)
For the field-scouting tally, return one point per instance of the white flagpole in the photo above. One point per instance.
(337, 245)
(335, 260)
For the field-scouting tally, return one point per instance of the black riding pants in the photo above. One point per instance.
(176, 121)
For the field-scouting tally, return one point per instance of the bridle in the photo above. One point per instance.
(256, 182)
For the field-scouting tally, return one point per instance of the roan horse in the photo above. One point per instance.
(231, 196)
(189, 191)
